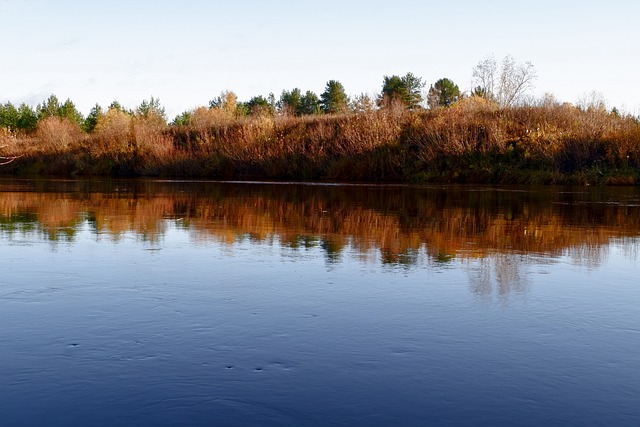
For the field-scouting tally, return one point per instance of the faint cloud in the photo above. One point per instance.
(34, 98)
(62, 44)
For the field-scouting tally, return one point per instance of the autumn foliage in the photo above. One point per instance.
(472, 141)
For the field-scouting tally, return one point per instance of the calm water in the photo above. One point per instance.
(129, 303)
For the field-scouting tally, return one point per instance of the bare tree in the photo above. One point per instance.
(508, 84)
(484, 75)
(593, 101)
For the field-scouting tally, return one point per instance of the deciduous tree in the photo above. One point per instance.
(363, 103)
(227, 101)
(506, 84)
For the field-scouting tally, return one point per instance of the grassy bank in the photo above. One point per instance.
(471, 142)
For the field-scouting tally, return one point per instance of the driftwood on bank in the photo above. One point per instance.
(5, 160)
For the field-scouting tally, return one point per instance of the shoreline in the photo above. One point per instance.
(469, 143)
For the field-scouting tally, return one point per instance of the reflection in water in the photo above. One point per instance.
(495, 230)
(151, 303)
(500, 274)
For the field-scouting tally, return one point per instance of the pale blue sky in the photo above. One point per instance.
(186, 52)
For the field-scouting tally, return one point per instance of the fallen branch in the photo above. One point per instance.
(5, 160)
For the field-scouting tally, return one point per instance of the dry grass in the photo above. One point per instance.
(473, 141)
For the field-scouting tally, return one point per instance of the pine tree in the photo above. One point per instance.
(334, 98)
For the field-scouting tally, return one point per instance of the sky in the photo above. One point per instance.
(187, 52)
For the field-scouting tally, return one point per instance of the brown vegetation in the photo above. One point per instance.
(473, 141)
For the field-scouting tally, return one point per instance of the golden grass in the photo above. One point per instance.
(473, 141)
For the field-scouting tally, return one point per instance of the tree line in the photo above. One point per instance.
(505, 84)
(408, 131)
(404, 91)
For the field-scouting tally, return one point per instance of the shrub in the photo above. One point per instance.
(57, 134)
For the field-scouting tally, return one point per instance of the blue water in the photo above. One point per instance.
(181, 328)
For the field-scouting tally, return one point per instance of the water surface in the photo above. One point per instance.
(182, 303)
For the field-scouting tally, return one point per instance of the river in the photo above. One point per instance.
(165, 303)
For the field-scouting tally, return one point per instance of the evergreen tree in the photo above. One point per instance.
(290, 101)
(310, 104)
(152, 109)
(115, 105)
(27, 119)
(392, 89)
(480, 92)
(406, 90)
(273, 104)
(242, 109)
(259, 105)
(443, 93)
(9, 116)
(68, 111)
(53, 108)
(334, 98)
(92, 119)
(49, 108)
(182, 119)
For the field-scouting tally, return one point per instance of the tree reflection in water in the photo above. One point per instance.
(495, 230)
(500, 274)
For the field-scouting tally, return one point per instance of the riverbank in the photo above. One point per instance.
(471, 142)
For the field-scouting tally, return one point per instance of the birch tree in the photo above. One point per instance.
(507, 83)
